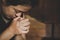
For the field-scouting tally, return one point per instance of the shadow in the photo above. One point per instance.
(50, 38)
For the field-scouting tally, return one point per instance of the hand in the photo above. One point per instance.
(13, 24)
(10, 31)
(23, 26)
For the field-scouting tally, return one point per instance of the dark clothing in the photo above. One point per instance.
(4, 26)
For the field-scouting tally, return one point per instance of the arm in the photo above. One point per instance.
(10, 31)
(23, 28)
(7, 34)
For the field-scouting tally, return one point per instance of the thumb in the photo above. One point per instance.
(16, 19)
(14, 22)
(18, 14)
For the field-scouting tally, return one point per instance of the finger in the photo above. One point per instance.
(24, 21)
(26, 28)
(22, 18)
(18, 15)
(25, 24)
(17, 18)
(23, 31)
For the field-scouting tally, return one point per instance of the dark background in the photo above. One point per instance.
(48, 12)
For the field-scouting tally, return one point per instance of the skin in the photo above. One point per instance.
(19, 25)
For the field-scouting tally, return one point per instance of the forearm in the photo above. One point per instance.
(7, 34)
(20, 37)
